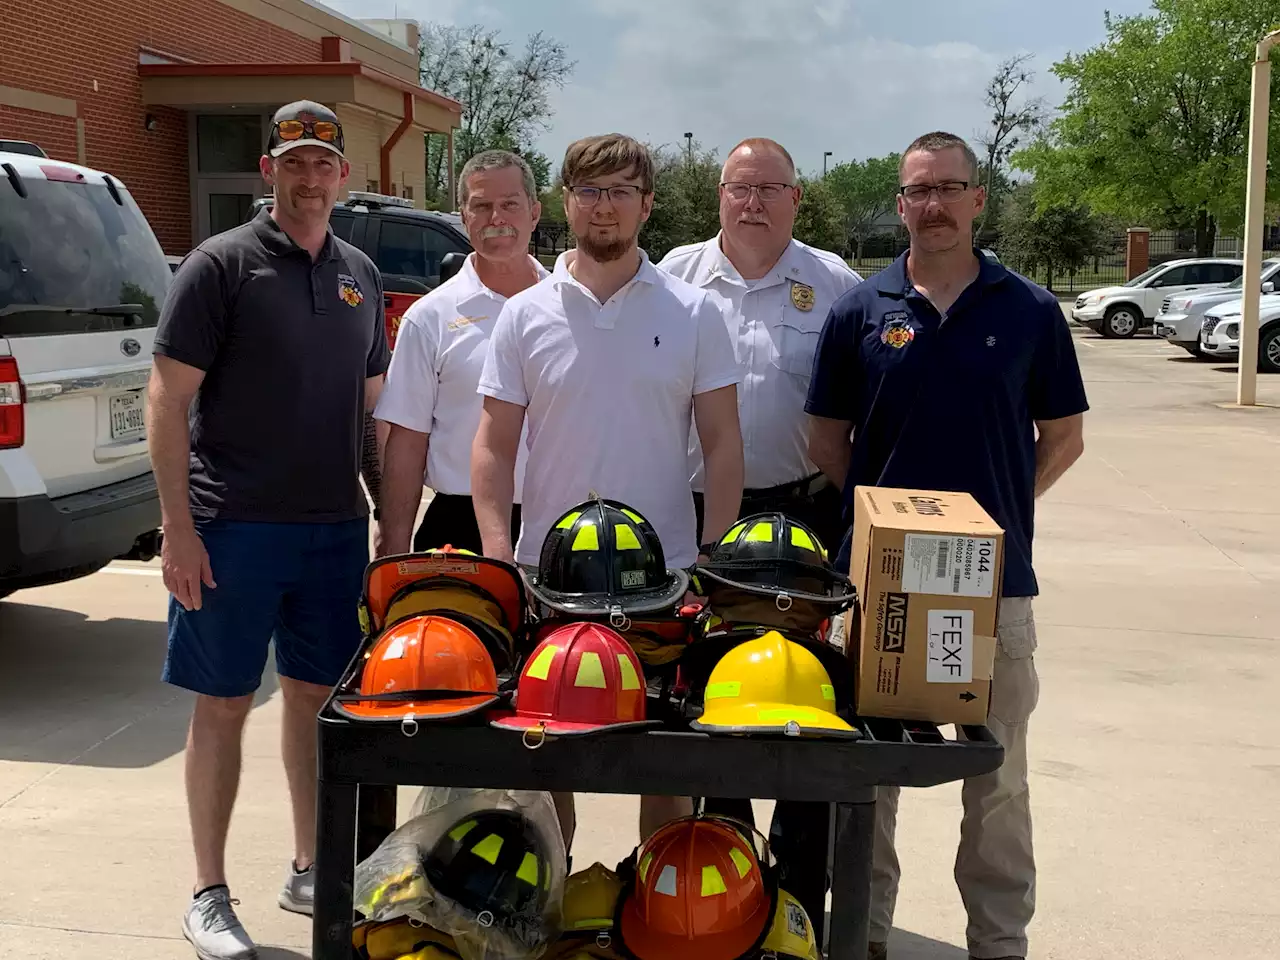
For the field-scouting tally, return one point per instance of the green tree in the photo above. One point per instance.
(866, 191)
(820, 221)
(1014, 117)
(1056, 238)
(1155, 123)
(506, 94)
(686, 203)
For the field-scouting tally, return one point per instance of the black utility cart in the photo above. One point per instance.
(360, 765)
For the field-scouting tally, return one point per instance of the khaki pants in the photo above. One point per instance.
(995, 867)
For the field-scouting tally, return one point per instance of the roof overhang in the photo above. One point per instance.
(200, 85)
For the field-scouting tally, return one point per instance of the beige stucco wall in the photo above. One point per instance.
(365, 133)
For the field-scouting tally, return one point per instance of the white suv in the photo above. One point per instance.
(1122, 311)
(1220, 332)
(82, 280)
(1181, 317)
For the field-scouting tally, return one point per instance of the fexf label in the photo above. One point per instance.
(950, 647)
(948, 565)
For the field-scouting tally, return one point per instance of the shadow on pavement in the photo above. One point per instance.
(89, 691)
(281, 953)
(912, 946)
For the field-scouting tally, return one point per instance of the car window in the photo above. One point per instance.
(412, 249)
(1175, 277)
(71, 245)
(342, 224)
(1224, 272)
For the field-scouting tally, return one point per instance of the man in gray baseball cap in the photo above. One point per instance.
(304, 123)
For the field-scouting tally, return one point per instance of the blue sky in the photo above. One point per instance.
(857, 77)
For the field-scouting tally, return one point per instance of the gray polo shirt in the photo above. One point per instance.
(286, 345)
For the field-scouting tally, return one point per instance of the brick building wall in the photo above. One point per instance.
(53, 47)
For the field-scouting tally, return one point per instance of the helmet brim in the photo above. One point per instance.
(567, 728)
(761, 718)
(642, 601)
(722, 574)
(358, 706)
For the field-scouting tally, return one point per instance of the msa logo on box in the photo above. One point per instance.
(895, 623)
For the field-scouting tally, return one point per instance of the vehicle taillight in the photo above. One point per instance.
(12, 418)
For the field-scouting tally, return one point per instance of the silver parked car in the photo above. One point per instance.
(1181, 316)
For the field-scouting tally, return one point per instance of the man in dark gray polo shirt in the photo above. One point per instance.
(275, 330)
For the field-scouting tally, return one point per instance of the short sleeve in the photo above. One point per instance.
(837, 365)
(716, 363)
(1056, 386)
(379, 351)
(193, 319)
(409, 396)
(503, 375)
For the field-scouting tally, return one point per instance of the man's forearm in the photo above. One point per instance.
(493, 491)
(405, 459)
(169, 442)
(1053, 459)
(723, 496)
(834, 464)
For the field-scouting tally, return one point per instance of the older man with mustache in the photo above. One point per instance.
(430, 401)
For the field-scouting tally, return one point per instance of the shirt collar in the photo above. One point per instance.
(471, 287)
(278, 243)
(894, 282)
(561, 277)
(792, 265)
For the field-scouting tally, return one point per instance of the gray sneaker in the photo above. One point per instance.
(299, 893)
(213, 928)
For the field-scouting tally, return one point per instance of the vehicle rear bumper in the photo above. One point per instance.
(41, 537)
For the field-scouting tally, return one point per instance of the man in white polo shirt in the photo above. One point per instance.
(430, 399)
(609, 359)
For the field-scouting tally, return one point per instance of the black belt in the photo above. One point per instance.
(805, 487)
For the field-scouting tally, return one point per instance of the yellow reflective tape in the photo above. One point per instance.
(645, 861)
(732, 535)
(712, 882)
(762, 532)
(590, 923)
(740, 861)
(793, 713)
(632, 515)
(588, 538)
(799, 538)
(722, 691)
(541, 665)
(488, 848)
(590, 672)
(630, 681)
(625, 538)
(569, 520)
(828, 692)
(528, 871)
(461, 830)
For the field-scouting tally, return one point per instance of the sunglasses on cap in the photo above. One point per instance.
(324, 130)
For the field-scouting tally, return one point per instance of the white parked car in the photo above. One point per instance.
(1123, 310)
(1220, 332)
(82, 280)
(1181, 317)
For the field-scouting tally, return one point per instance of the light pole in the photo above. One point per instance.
(1255, 197)
(825, 154)
(688, 149)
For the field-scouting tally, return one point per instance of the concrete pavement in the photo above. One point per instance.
(1155, 772)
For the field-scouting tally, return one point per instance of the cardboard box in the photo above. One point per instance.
(928, 567)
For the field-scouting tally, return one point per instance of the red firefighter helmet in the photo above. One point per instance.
(698, 893)
(582, 678)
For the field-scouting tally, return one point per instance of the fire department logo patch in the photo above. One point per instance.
(897, 334)
(349, 290)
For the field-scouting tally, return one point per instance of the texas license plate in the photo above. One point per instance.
(127, 421)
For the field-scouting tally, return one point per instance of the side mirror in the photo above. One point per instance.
(1268, 287)
(451, 264)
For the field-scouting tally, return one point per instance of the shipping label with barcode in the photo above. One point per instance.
(950, 647)
(951, 566)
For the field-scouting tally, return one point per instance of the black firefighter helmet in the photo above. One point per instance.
(603, 559)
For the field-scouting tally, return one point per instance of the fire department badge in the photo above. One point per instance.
(897, 334)
(349, 290)
(802, 296)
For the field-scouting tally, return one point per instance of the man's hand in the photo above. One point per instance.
(185, 564)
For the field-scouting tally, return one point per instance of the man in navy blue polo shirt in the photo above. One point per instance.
(952, 373)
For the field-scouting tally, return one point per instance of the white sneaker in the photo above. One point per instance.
(299, 893)
(213, 928)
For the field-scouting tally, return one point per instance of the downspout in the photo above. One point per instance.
(392, 140)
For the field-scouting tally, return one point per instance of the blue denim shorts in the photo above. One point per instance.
(295, 584)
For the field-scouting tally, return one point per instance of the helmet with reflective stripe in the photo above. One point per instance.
(603, 559)
(771, 685)
(492, 868)
(582, 678)
(464, 602)
(698, 893)
(590, 900)
(791, 935)
(772, 555)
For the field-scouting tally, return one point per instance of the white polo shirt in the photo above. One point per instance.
(431, 383)
(608, 389)
(775, 340)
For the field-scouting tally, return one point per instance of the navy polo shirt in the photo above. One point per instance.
(950, 403)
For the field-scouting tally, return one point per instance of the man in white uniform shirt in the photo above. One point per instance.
(609, 360)
(780, 290)
(430, 399)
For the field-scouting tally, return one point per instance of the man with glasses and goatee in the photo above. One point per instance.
(273, 336)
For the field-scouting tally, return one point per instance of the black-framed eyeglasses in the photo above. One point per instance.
(619, 193)
(949, 191)
(767, 192)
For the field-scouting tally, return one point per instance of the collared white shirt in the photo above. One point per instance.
(775, 340)
(608, 390)
(431, 383)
